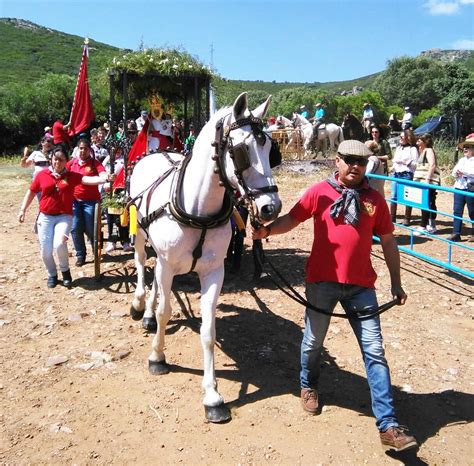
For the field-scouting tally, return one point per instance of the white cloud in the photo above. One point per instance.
(467, 2)
(463, 44)
(437, 7)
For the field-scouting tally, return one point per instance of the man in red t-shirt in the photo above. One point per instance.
(346, 212)
(85, 199)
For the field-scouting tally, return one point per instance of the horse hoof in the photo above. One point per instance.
(136, 315)
(149, 324)
(158, 367)
(217, 414)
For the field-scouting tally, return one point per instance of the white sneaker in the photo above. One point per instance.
(110, 247)
(418, 231)
(431, 230)
(127, 247)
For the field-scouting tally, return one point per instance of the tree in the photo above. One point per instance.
(411, 81)
(355, 104)
(456, 89)
(26, 109)
(290, 100)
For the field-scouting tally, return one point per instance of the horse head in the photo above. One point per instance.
(284, 122)
(299, 120)
(250, 155)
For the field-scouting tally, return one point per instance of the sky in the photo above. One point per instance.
(278, 40)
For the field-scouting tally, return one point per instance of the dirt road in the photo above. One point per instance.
(75, 388)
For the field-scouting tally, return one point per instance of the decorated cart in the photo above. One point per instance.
(163, 81)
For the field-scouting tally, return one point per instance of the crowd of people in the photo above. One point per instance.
(70, 179)
(414, 159)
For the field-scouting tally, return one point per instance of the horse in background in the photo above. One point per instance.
(325, 132)
(352, 128)
(183, 209)
(394, 123)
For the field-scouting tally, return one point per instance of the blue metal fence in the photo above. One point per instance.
(415, 194)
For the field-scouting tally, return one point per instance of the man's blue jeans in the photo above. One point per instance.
(325, 295)
(82, 222)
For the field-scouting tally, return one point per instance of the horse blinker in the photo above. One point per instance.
(240, 156)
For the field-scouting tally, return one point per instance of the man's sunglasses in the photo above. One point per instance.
(354, 160)
(468, 147)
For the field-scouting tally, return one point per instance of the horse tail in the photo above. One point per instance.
(340, 136)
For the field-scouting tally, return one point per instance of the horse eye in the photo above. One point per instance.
(260, 137)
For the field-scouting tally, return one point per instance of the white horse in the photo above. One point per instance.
(185, 217)
(325, 131)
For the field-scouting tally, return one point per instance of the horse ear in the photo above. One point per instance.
(261, 110)
(240, 105)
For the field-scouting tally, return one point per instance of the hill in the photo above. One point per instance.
(38, 50)
(28, 51)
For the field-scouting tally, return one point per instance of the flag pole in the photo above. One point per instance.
(82, 113)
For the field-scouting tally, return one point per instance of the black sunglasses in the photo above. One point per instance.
(354, 160)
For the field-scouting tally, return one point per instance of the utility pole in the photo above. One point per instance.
(212, 56)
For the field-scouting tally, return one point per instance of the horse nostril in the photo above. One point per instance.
(268, 212)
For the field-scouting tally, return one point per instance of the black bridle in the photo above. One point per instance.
(239, 154)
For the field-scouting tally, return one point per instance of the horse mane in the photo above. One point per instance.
(207, 133)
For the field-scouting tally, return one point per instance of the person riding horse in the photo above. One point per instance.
(367, 118)
(407, 119)
(319, 116)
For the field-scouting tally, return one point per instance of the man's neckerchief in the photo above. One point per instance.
(348, 203)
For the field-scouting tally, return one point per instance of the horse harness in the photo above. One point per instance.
(240, 156)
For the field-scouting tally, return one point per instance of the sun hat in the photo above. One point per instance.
(366, 104)
(469, 140)
(47, 129)
(318, 104)
(303, 106)
(143, 113)
(354, 147)
(407, 108)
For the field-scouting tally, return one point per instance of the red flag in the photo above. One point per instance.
(82, 113)
(138, 148)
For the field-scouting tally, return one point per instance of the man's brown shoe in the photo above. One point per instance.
(309, 400)
(396, 438)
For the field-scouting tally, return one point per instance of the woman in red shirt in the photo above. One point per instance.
(85, 198)
(56, 185)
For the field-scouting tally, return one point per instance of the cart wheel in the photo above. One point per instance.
(98, 240)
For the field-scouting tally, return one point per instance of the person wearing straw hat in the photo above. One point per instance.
(464, 183)
(304, 111)
(346, 212)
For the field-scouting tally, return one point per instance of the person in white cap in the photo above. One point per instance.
(407, 120)
(346, 212)
(304, 111)
(367, 118)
